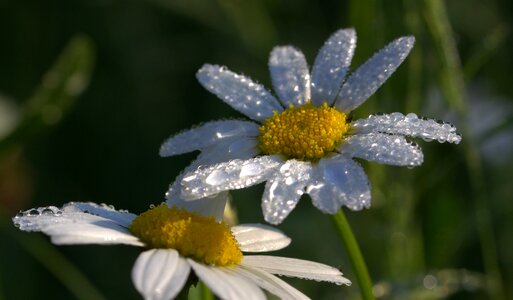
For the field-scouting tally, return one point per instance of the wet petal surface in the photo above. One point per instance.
(339, 181)
(79, 223)
(238, 91)
(383, 148)
(290, 76)
(235, 174)
(331, 66)
(372, 74)
(283, 191)
(207, 134)
(409, 125)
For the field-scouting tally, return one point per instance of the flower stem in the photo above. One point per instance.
(355, 256)
(206, 294)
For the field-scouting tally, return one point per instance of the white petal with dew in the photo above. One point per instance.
(339, 181)
(331, 66)
(238, 91)
(284, 189)
(207, 134)
(235, 174)
(382, 148)
(226, 285)
(121, 217)
(259, 238)
(296, 268)
(243, 148)
(409, 125)
(269, 282)
(372, 74)
(79, 223)
(160, 274)
(290, 76)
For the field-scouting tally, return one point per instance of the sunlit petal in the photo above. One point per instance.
(207, 134)
(339, 181)
(79, 223)
(290, 76)
(160, 274)
(238, 91)
(226, 285)
(331, 66)
(383, 148)
(372, 74)
(283, 191)
(409, 125)
(235, 174)
(270, 283)
(294, 267)
(259, 238)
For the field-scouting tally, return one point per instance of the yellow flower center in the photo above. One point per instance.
(200, 238)
(305, 132)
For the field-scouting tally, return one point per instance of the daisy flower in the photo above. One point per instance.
(304, 142)
(177, 241)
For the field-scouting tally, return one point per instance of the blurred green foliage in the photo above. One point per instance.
(422, 238)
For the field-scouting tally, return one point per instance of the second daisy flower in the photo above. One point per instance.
(303, 142)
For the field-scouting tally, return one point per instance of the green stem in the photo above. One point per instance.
(355, 256)
(206, 294)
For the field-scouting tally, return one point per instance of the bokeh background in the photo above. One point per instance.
(90, 89)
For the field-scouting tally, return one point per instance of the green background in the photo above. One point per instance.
(90, 89)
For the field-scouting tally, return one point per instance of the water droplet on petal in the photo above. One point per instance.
(47, 212)
(33, 212)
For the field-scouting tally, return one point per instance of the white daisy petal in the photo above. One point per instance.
(235, 174)
(259, 238)
(283, 191)
(383, 148)
(238, 91)
(269, 282)
(290, 76)
(226, 285)
(160, 274)
(331, 66)
(372, 74)
(409, 125)
(79, 223)
(243, 148)
(123, 218)
(211, 206)
(295, 268)
(339, 181)
(206, 135)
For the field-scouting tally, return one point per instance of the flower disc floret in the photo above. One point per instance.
(304, 132)
(194, 236)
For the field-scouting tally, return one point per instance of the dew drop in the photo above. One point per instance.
(47, 212)
(411, 117)
(33, 212)
(217, 177)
